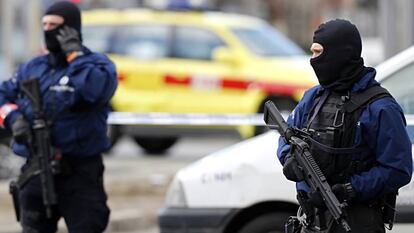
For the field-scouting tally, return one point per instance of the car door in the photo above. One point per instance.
(401, 86)
(138, 52)
(194, 80)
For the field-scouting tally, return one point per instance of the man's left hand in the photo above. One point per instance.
(344, 192)
(69, 40)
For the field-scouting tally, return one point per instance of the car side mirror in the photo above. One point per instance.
(225, 55)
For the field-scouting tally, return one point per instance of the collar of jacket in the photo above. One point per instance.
(368, 80)
(47, 58)
(365, 82)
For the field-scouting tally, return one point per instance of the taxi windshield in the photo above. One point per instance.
(265, 41)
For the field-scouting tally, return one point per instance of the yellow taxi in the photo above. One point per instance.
(195, 62)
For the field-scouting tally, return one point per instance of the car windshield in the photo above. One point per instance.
(399, 84)
(410, 131)
(265, 41)
(139, 41)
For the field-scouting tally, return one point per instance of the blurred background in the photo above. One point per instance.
(386, 26)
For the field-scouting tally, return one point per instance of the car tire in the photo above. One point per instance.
(155, 145)
(5, 137)
(267, 223)
(114, 133)
(10, 164)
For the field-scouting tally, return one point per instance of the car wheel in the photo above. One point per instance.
(10, 164)
(267, 223)
(284, 105)
(155, 145)
(113, 133)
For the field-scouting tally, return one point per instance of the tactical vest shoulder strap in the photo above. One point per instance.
(317, 105)
(364, 98)
(353, 109)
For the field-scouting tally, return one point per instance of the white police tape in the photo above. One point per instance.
(195, 119)
(226, 119)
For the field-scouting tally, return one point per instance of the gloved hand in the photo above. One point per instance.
(344, 192)
(315, 199)
(69, 40)
(21, 130)
(291, 169)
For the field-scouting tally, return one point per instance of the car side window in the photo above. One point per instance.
(195, 43)
(144, 42)
(98, 38)
(401, 87)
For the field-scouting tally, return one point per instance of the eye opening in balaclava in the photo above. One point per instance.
(340, 65)
(72, 17)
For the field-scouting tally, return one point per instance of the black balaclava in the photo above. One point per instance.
(72, 17)
(340, 65)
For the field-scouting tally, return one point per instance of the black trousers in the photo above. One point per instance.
(81, 199)
(362, 218)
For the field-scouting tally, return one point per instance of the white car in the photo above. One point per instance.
(241, 189)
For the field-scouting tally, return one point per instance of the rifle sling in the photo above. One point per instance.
(336, 150)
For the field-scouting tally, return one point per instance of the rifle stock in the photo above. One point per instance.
(312, 173)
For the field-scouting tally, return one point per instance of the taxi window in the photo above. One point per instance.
(144, 42)
(401, 86)
(97, 38)
(265, 41)
(195, 43)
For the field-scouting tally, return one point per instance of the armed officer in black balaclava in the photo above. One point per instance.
(358, 129)
(75, 85)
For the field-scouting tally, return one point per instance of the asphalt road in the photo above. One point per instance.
(136, 184)
(150, 176)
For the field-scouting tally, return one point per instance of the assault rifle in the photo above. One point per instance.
(312, 173)
(43, 162)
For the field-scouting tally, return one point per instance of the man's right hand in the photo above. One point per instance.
(69, 40)
(21, 130)
(291, 169)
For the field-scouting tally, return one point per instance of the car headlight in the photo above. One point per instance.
(175, 195)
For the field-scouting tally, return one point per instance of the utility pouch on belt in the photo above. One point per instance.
(388, 209)
(293, 225)
(14, 191)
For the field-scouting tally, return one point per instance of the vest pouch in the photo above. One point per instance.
(326, 161)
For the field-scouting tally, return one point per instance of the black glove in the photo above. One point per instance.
(21, 130)
(344, 192)
(291, 169)
(315, 199)
(69, 40)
